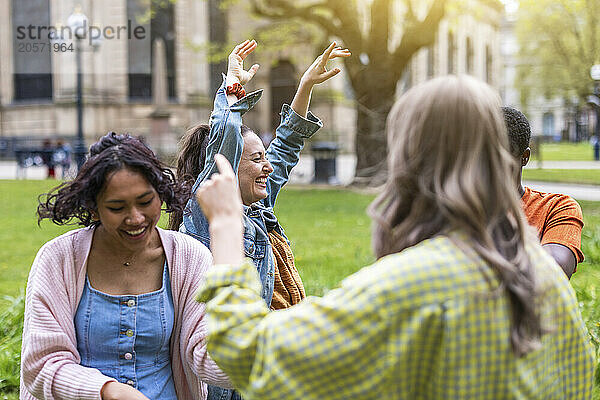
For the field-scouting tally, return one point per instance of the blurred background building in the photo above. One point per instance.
(467, 43)
(551, 118)
(548, 48)
(158, 86)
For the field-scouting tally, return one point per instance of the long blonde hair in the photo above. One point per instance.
(450, 168)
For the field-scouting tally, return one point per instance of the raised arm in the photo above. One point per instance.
(315, 74)
(308, 350)
(297, 123)
(235, 68)
(225, 133)
(226, 118)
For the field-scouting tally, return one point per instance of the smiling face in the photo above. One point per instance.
(128, 209)
(254, 169)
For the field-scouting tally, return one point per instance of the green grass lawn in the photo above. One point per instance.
(581, 176)
(330, 234)
(329, 230)
(563, 151)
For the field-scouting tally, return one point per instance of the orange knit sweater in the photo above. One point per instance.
(288, 289)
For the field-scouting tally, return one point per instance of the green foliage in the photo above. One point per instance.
(563, 151)
(280, 36)
(11, 327)
(578, 176)
(212, 52)
(20, 235)
(559, 42)
(586, 281)
(330, 234)
(273, 38)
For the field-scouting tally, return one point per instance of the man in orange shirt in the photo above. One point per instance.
(557, 217)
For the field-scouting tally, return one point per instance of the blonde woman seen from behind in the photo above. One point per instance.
(462, 303)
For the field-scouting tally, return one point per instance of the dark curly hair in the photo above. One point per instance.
(76, 199)
(519, 131)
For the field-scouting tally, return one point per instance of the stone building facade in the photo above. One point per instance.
(467, 43)
(117, 96)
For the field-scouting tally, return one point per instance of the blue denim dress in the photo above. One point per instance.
(127, 337)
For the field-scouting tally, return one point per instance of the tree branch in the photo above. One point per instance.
(421, 34)
(348, 15)
(380, 30)
(592, 25)
(575, 28)
(410, 12)
(281, 9)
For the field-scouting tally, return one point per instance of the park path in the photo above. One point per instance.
(564, 164)
(578, 192)
(303, 173)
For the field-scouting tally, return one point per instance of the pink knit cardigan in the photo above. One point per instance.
(50, 366)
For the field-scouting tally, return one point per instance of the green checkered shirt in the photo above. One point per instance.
(421, 324)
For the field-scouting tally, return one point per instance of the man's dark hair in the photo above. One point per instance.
(519, 131)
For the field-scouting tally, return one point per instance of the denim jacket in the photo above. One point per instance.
(283, 153)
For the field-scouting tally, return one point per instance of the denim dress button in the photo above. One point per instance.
(135, 332)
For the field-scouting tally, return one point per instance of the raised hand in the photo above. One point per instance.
(219, 196)
(220, 200)
(235, 67)
(317, 72)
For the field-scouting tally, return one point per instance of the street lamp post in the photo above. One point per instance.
(595, 101)
(78, 22)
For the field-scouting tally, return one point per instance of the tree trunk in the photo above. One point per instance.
(374, 99)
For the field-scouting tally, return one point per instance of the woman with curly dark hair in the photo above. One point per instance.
(109, 310)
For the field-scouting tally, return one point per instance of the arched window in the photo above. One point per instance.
(282, 80)
(140, 54)
(32, 70)
(469, 61)
(451, 53)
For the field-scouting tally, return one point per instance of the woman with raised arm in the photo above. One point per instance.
(261, 173)
(462, 303)
(109, 311)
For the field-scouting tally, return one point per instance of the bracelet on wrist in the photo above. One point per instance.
(236, 89)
